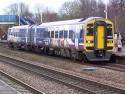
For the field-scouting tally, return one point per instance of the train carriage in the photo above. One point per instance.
(37, 36)
(17, 36)
(28, 37)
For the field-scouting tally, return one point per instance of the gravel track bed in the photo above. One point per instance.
(14, 85)
(41, 83)
(106, 74)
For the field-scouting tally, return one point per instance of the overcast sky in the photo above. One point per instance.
(52, 4)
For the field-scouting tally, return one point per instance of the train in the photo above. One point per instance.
(86, 39)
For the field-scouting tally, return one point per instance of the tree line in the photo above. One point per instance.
(75, 9)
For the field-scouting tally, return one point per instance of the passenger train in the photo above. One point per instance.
(90, 39)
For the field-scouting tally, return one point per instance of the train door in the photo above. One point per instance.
(100, 37)
(28, 35)
(76, 35)
(32, 35)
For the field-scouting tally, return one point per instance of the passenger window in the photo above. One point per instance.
(81, 33)
(61, 34)
(41, 33)
(22, 32)
(56, 34)
(65, 34)
(52, 34)
(71, 34)
(90, 31)
(45, 35)
(48, 34)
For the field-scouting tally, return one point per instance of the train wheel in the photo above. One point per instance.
(80, 56)
(27, 48)
(84, 60)
(11, 45)
(73, 56)
(113, 59)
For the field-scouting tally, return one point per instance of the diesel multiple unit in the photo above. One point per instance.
(90, 39)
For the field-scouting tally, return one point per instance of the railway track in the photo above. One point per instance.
(113, 66)
(26, 86)
(116, 67)
(62, 76)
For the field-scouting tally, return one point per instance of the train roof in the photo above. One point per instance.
(27, 26)
(39, 26)
(82, 20)
(16, 27)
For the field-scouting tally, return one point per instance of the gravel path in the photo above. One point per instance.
(106, 74)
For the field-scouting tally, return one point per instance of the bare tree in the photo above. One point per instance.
(38, 13)
(116, 14)
(44, 14)
(13, 9)
(70, 10)
(81, 8)
(49, 16)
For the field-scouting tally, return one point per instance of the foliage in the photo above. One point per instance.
(77, 9)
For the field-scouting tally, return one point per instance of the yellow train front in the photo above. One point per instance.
(98, 40)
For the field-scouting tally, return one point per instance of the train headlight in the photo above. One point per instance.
(89, 41)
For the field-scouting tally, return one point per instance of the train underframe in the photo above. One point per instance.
(97, 55)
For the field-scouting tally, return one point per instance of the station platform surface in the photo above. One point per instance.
(120, 53)
(6, 89)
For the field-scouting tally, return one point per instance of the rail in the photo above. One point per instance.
(86, 85)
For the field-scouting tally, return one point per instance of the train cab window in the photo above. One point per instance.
(52, 34)
(109, 32)
(56, 34)
(71, 34)
(65, 33)
(90, 31)
(61, 34)
(81, 33)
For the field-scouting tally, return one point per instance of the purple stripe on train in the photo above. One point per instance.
(81, 47)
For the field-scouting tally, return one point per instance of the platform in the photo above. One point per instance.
(6, 89)
(121, 53)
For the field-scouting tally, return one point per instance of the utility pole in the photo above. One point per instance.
(97, 6)
(116, 23)
(41, 17)
(18, 11)
(106, 9)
